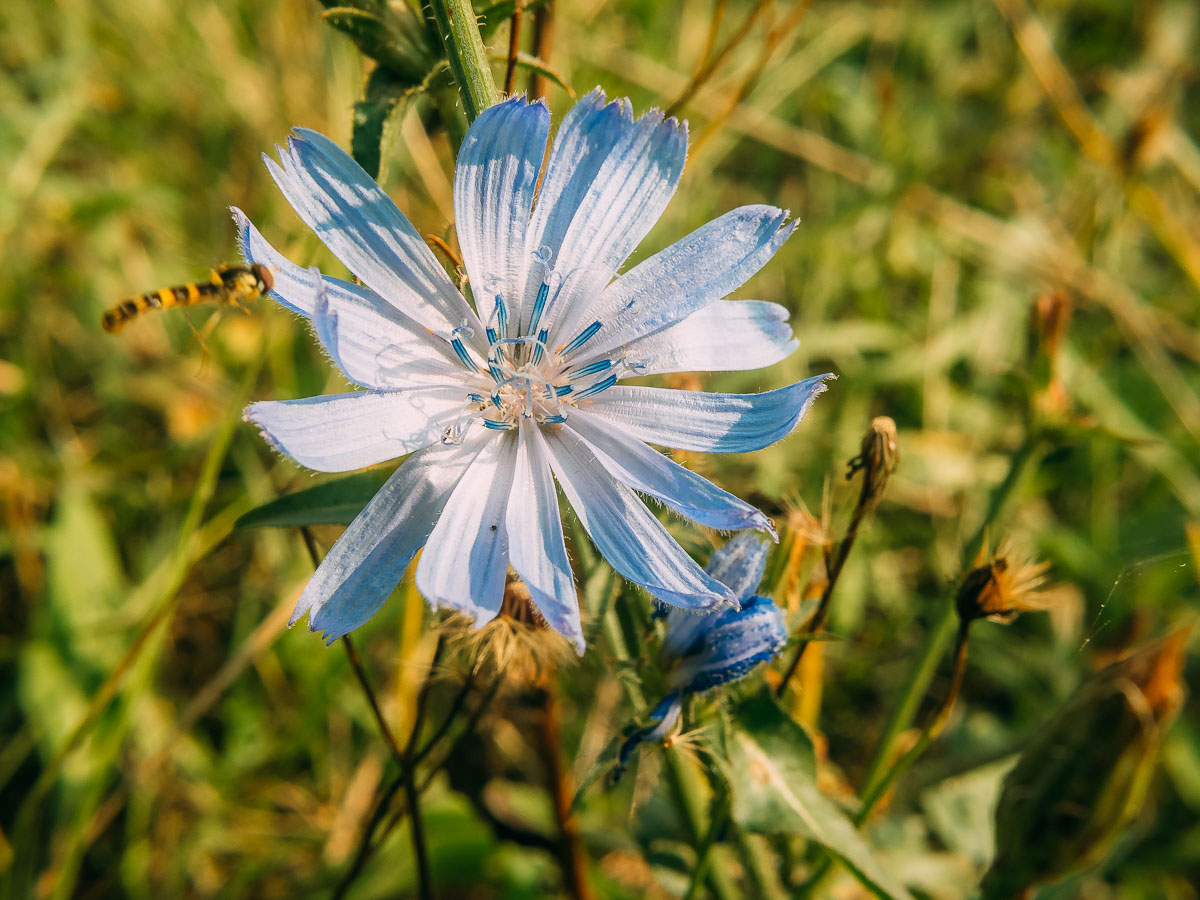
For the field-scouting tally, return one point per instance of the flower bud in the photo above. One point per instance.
(878, 456)
(1084, 776)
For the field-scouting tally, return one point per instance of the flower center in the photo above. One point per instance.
(529, 379)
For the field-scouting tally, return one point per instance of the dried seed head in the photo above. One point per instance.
(517, 644)
(878, 456)
(1003, 587)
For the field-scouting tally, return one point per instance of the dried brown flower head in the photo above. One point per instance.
(517, 644)
(1003, 587)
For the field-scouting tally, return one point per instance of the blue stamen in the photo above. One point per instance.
(602, 365)
(461, 352)
(555, 420)
(498, 426)
(476, 398)
(593, 389)
(563, 390)
(540, 346)
(582, 338)
(539, 304)
(502, 316)
(497, 375)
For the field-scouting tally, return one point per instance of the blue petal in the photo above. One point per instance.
(725, 336)
(648, 471)
(732, 642)
(466, 558)
(705, 422)
(494, 181)
(536, 538)
(739, 565)
(340, 432)
(370, 557)
(620, 205)
(710, 263)
(372, 340)
(362, 226)
(629, 537)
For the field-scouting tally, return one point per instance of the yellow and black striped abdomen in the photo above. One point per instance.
(226, 284)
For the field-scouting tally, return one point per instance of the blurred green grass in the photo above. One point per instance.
(939, 193)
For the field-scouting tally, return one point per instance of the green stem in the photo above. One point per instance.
(943, 631)
(685, 789)
(459, 31)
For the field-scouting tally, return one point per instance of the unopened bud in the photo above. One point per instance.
(1084, 776)
(878, 456)
(1048, 321)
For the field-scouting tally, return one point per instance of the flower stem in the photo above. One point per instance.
(943, 631)
(361, 675)
(459, 30)
(834, 570)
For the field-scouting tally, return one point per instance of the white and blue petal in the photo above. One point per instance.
(494, 181)
(535, 537)
(725, 336)
(707, 265)
(368, 560)
(464, 563)
(708, 422)
(373, 343)
(356, 220)
(340, 432)
(626, 534)
(587, 135)
(646, 470)
(620, 204)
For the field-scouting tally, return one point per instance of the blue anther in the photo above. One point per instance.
(476, 398)
(562, 390)
(582, 338)
(462, 354)
(555, 420)
(502, 316)
(593, 389)
(498, 426)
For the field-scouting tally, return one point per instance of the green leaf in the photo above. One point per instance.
(335, 502)
(384, 101)
(393, 38)
(774, 788)
(534, 64)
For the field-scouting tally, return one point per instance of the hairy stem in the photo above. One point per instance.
(459, 31)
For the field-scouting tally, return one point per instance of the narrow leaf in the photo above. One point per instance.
(335, 502)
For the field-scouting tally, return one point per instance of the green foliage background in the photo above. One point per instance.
(165, 735)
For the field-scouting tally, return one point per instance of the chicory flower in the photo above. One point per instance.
(701, 652)
(498, 400)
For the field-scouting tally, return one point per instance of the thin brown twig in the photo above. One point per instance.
(514, 46)
(361, 675)
(570, 850)
(833, 566)
(775, 38)
(713, 61)
(543, 44)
